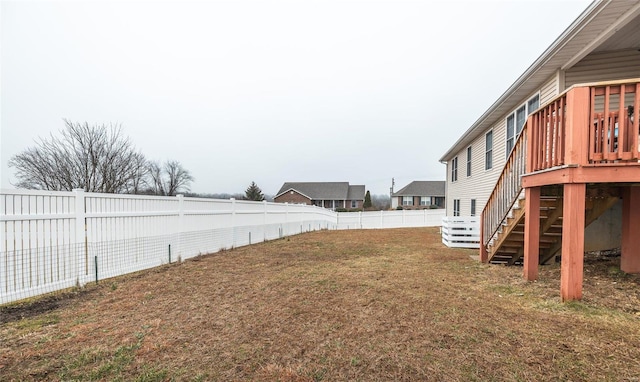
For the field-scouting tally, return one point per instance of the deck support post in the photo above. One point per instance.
(630, 249)
(571, 268)
(484, 256)
(531, 233)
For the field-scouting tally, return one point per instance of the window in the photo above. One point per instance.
(469, 161)
(533, 104)
(517, 119)
(488, 150)
(454, 169)
(425, 200)
(511, 127)
(354, 204)
(473, 207)
(520, 118)
(456, 207)
(407, 200)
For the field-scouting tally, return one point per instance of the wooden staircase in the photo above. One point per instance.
(507, 246)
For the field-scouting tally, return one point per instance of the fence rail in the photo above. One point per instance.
(56, 240)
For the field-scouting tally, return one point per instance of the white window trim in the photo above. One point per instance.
(486, 151)
(469, 165)
(454, 170)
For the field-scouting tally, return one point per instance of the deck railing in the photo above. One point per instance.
(613, 134)
(548, 125)
(588, 125)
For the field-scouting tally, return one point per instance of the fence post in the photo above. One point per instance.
(233, 222)
(180, 225)
(360, 218)
(264, 229)
(286, 218)
(81, 236)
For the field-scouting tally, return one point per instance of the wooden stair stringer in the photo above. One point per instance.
(507, 229)
(597, 207)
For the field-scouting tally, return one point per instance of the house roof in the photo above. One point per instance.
(604, 25)
(324, 190)
(356, 192)
(423, 188)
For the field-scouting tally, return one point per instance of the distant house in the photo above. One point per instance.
(332, 195)
(420, 195)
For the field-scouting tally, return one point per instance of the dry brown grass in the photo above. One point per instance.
(333, 306)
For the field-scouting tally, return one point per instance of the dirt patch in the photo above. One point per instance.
(335, 305)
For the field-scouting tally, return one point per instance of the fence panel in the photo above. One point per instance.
(55, 240)
(461, 231)
(390, 219)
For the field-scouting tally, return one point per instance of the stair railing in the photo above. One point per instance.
(507, 189)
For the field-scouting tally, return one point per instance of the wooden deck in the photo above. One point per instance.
(576, 157)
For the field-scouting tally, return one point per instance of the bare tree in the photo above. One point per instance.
(169, 179)
(95, 158)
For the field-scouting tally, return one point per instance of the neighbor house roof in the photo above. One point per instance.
(423, 188)
(590, 32)
(356, 192)
(325, 190)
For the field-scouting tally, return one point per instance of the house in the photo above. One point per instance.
(332, 195)
(419, 195)
(553, 164)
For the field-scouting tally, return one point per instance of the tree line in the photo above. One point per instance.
(96, 158)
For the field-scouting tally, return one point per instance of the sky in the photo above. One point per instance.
(269, 91)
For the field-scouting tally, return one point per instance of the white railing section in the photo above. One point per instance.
(461, 231)
(390, 219)
(56, 240)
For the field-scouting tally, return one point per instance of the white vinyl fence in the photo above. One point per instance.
(55, 240)
(461, 231)
(390, 219)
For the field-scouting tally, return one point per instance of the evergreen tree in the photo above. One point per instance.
(367, 201)
(253, 192)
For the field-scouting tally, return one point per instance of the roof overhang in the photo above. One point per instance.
(568, 49)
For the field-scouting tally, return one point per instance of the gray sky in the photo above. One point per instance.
(270, 91)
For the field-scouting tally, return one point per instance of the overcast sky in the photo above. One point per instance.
(270, 91)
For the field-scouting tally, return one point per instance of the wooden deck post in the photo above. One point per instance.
(531, 233)
(577, 133)
(630, 250)
(484, 256)
(571, 268)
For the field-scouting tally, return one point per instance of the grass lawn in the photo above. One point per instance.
(393, 305)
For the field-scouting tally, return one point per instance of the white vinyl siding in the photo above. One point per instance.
(604, 66)
(549, 90)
